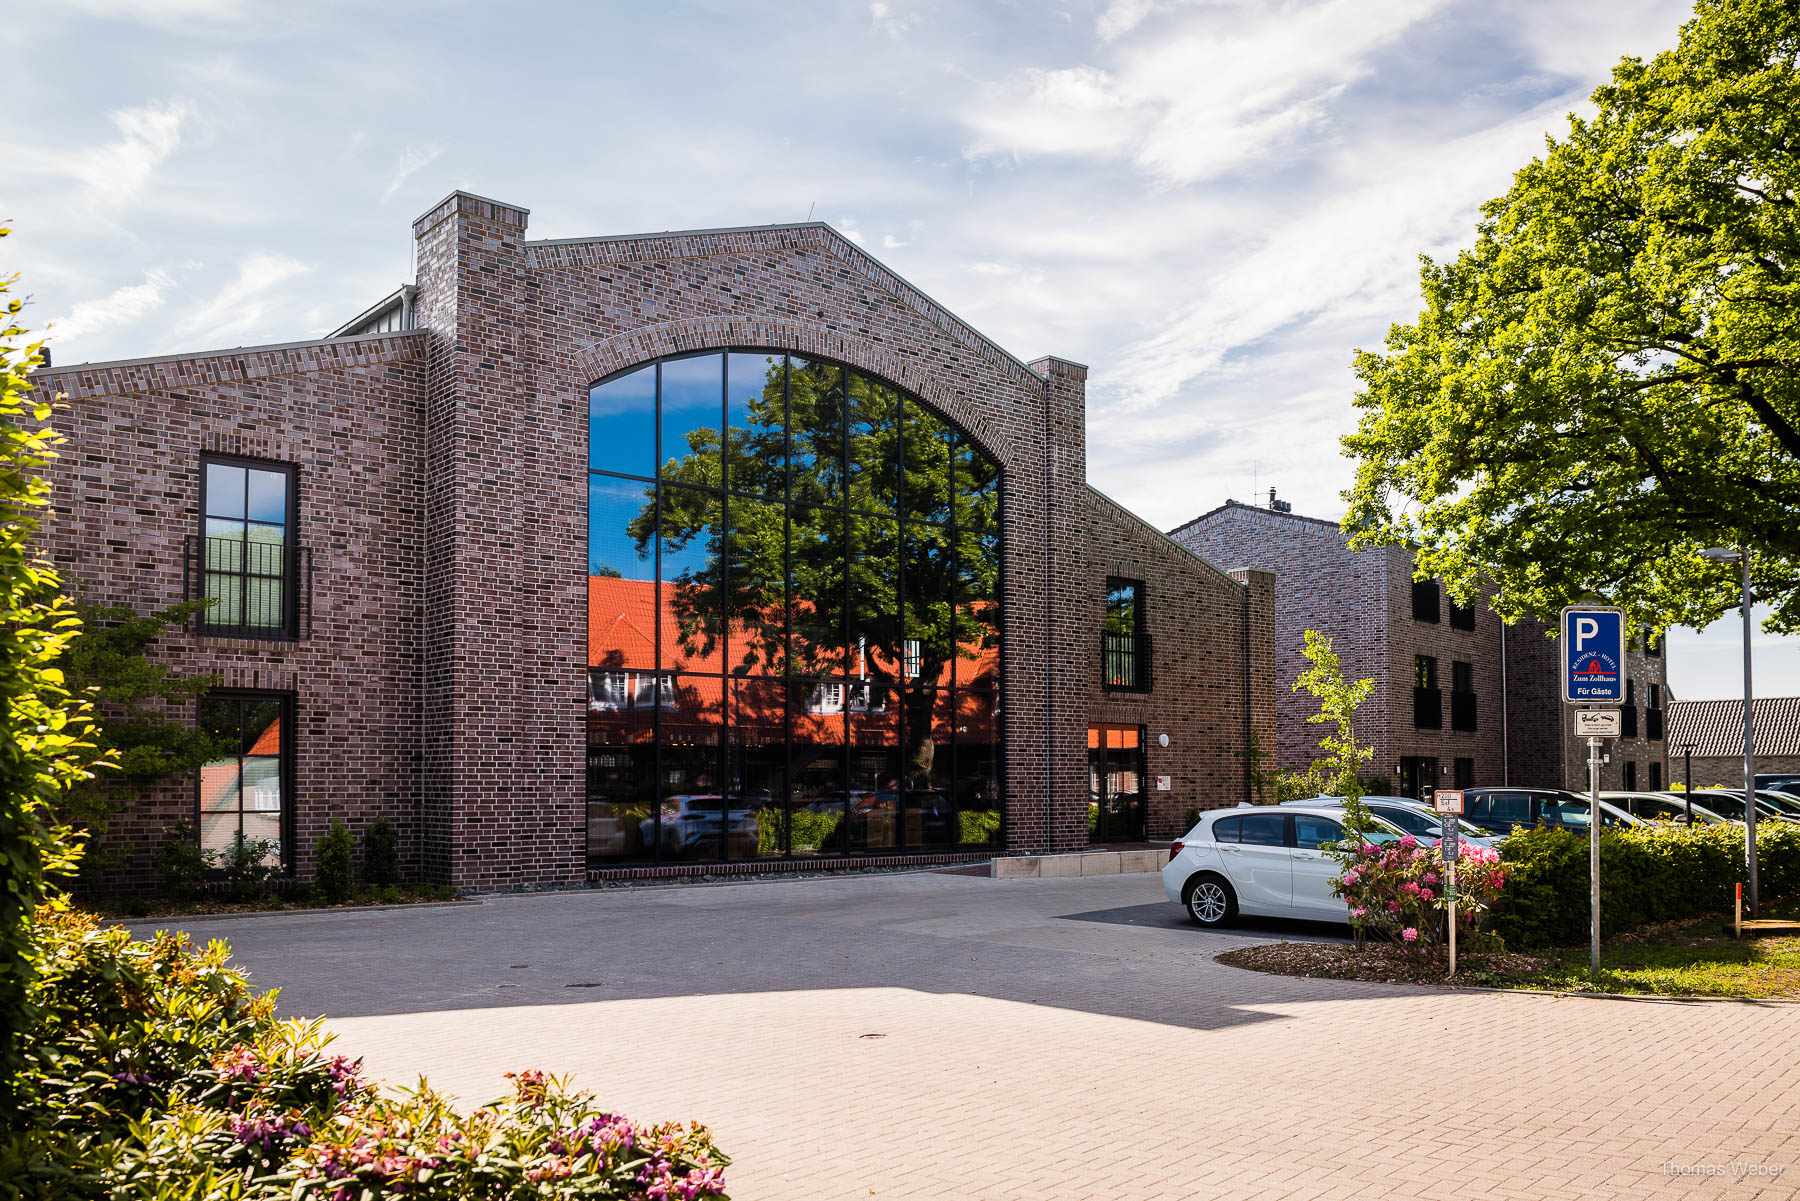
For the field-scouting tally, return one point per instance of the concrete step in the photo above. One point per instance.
(1080, 863)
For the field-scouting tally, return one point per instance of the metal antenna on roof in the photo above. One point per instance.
(810, 208)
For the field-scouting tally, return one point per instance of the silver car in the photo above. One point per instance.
(1415, 817)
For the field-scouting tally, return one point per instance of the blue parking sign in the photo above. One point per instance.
(1593, 655)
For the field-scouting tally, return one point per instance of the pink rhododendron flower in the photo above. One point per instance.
(1410, 934)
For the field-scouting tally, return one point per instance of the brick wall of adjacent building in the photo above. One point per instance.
(126, 499)
(1363, 601)
(1204, 694)
(443, 487)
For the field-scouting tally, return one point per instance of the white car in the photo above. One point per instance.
(1262, 859)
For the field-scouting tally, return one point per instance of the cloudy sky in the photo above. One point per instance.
(1210, 203)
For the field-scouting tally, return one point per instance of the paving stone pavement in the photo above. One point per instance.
(936, 1035)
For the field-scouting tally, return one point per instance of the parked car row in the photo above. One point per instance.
(1270, 860)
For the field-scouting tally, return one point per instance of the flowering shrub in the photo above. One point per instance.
(156, 1073)
(1396, 891)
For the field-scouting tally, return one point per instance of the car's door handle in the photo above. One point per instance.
(1303, 854)
(1225, 846)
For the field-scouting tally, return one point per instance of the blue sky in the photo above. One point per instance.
(1211, 204)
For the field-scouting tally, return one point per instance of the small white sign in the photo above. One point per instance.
(1596, 723)
(1448, 800)
(1162, 783)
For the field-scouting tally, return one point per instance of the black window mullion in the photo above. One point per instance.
(656, 655)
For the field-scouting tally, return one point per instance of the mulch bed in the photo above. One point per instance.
(1381, 964)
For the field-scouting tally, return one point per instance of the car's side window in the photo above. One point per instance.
(1265, 829)
(1478, 809)
(1414, 823)
(1310, 833)
(1509, 808)
(1226, 829)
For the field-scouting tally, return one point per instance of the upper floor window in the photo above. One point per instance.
(247, 548)
(1124, 641)
(1425, 600)
(1428, 702)
(1462, 696)
(1652, 645)
(1462, 617)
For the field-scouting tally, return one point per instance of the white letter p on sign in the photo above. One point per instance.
(1585, 628)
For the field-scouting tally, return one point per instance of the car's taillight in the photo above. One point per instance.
(1174, 850)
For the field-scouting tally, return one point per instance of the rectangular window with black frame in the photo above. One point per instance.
(1125, 640)
(1425, 601)
(1462, 617)
(1652, 645)
(1656, 777)
(246, 792)
(1653, 716)
(1465, 773)
(1428, 701)
(1462, 696)
(1628, 714)
(1630, 776)
(248, 561)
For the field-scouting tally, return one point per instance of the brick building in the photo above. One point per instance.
(1712, 733)
(664, 553)
(1459, 697)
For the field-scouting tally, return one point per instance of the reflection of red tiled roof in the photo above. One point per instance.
(622, 630)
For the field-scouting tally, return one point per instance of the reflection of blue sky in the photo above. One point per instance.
(692, 399)
(697, 554)
(622, 423)
(612, 506)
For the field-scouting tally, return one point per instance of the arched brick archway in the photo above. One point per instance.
(652, 342)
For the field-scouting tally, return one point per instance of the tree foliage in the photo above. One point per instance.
(46, 745)
(844, 458)
(136, 701)
(1609, 380)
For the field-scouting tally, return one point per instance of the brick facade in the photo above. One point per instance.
(1363, 601)
(442, 494)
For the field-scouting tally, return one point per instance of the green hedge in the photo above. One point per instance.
(1647, 874)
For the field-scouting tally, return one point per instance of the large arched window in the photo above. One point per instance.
(793, 616)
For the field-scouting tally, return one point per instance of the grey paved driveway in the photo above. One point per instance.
(951, 1036)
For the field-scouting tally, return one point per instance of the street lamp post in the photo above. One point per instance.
(1722, 554)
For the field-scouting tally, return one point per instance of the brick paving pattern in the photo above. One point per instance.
(1060, 1038)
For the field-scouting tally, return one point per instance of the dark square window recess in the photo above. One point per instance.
(1462, 617)
(1124, 641)
(248, 559)
(1425, 600)
(1462, 696)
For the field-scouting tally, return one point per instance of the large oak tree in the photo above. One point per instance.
(1607, 381)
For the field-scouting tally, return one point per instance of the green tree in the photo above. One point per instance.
(846, 570)
(134, 696)
(1340, 767)
(45, 747)
(1609, 380)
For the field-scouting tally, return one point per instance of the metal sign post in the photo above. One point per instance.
(1449, 803)
(1593, 642)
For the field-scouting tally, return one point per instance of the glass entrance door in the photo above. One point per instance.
(1417, 774)
(1115, 783)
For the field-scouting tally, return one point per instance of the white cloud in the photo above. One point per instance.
(1221, 89)
(886, 22)
(121, 307)
(171, 14)
(115, 174)
(240, 306)
(413, 158)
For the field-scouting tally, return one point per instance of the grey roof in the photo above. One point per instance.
(1716, 728)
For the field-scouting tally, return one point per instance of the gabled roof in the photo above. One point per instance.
(1716, 728)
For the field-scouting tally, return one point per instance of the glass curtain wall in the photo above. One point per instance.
(793, 616)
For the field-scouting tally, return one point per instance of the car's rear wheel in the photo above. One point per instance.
(1210, 901)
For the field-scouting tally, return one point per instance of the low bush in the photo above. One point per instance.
(155, 1072)
(179, 863)
(1647, 874)
(334, 870)
(381, 854)
(1397, 891)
